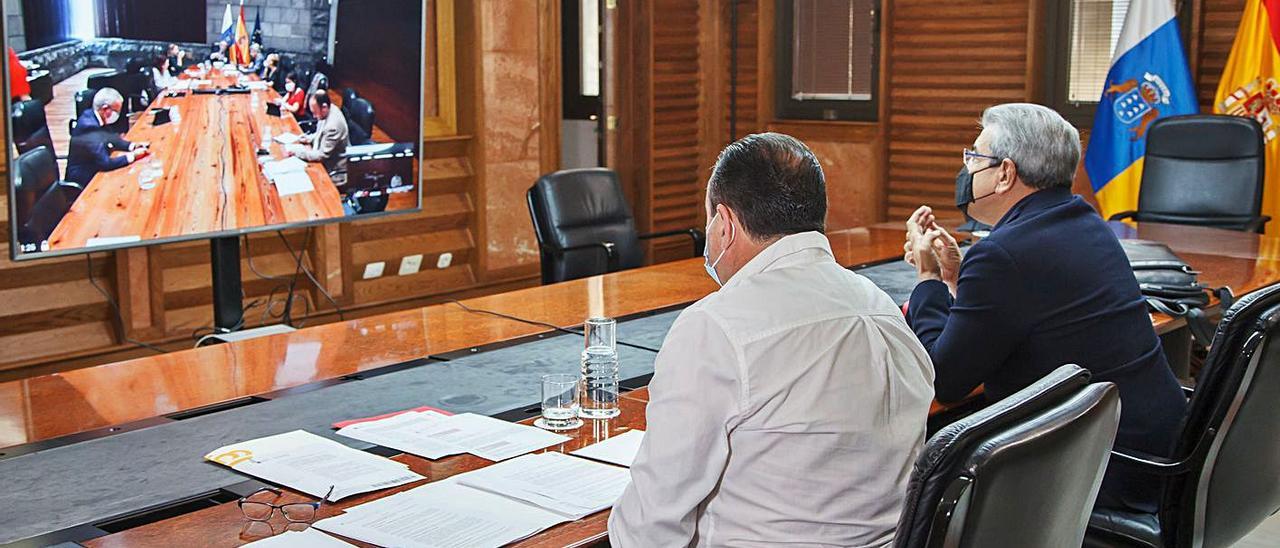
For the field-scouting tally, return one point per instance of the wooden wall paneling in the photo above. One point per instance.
(746, 93)
(946, 68)
(1219, 20)
(550, 91)
(676, 128)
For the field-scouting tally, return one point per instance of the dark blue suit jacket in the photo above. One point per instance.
(1050, 286)
(90, 149)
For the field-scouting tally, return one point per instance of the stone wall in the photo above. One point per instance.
(66, 59)
(291, 26)
(14, 25)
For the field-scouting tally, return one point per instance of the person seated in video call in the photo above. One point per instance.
(177, 60)
(329, 140)
(92, 142)
(293, 97)
(256, 59)
(219, 52)
(270, 70)
(161, 75)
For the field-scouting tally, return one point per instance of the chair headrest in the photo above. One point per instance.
(580, 197)
(1205, 137)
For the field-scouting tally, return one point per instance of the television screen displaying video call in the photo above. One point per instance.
(143, 121)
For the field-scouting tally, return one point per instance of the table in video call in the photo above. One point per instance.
(212, 179)
(441, 355)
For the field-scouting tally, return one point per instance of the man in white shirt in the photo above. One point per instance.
(789, 406)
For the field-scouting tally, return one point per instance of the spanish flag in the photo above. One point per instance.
(239, 53)
(1148, 80)
(1248, 88)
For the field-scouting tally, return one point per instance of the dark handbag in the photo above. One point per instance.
(1171, 286)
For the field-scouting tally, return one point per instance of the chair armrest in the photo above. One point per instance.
(69, 184)
(1123, 215)
(699, 239)
(1257, 224)
(610, 256)
(1188, 391)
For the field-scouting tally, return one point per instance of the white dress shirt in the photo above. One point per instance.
(787, 408)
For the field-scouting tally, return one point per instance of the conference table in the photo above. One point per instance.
(211, 178)
(91, 405)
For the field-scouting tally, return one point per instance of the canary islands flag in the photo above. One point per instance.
(1248, 88)
(1148, 80)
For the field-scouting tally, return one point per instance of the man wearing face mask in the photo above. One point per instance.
(789, 405)
(1049, 286)
(93, 140)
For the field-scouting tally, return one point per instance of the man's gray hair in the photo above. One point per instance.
(106, 96)
(1044, 146)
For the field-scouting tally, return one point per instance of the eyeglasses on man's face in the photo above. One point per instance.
(977, 160)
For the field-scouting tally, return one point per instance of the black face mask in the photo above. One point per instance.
(964, 189)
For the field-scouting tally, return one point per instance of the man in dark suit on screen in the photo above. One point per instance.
(92, 142)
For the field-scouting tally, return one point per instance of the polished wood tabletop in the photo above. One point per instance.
(212, 180)
(63, 403)
(50, 406)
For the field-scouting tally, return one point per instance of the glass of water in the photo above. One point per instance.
(559, 403)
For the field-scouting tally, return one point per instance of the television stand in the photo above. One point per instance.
(228, 292)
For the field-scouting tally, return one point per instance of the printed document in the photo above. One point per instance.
(311, 464)
(620, 449)
(558, 482)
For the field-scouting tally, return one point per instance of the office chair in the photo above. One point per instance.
(584, 225)
(1023, 472)
(349, 96)
(1224, 478)
(1204, 170)
(361, 121)
(30, 127)
(43, 200)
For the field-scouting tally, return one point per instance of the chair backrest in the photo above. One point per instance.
(1232, 435)
(1023, 472)
(1203, 170)
(84, 100)
(361, 115)
(349, 96)
(578, 207)
(37, 173)
(30, 127)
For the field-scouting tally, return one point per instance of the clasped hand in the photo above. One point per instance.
(931, 249)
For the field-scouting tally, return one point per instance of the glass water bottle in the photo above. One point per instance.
(600, 369)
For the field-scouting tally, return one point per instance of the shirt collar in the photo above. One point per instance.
(785, 247)
(1036, 201)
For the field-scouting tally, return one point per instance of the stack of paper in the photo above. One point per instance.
(492, 506)
(443, 514)
(433, 435)
(287, 138)
(289, 175)
(312, 464)
(566, 485)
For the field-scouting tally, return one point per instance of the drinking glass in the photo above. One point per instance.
(559, 403)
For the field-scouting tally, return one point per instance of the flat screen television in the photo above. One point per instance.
(135, 122)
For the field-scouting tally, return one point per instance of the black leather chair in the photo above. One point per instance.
(349, 96)
(1224, 478)
(360, 122)
(1022, 472)
(585, 227)
(84, 100)
(1204, 170)
(30, 127)
(42, 198)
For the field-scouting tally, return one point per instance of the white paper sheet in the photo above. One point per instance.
(306, 538)
(311, 464)
(492, 439)
(287, 138)
(620, 449)
(441, 515)
(293, 182)
(408, 432)
(280, 167)
(566, 485)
